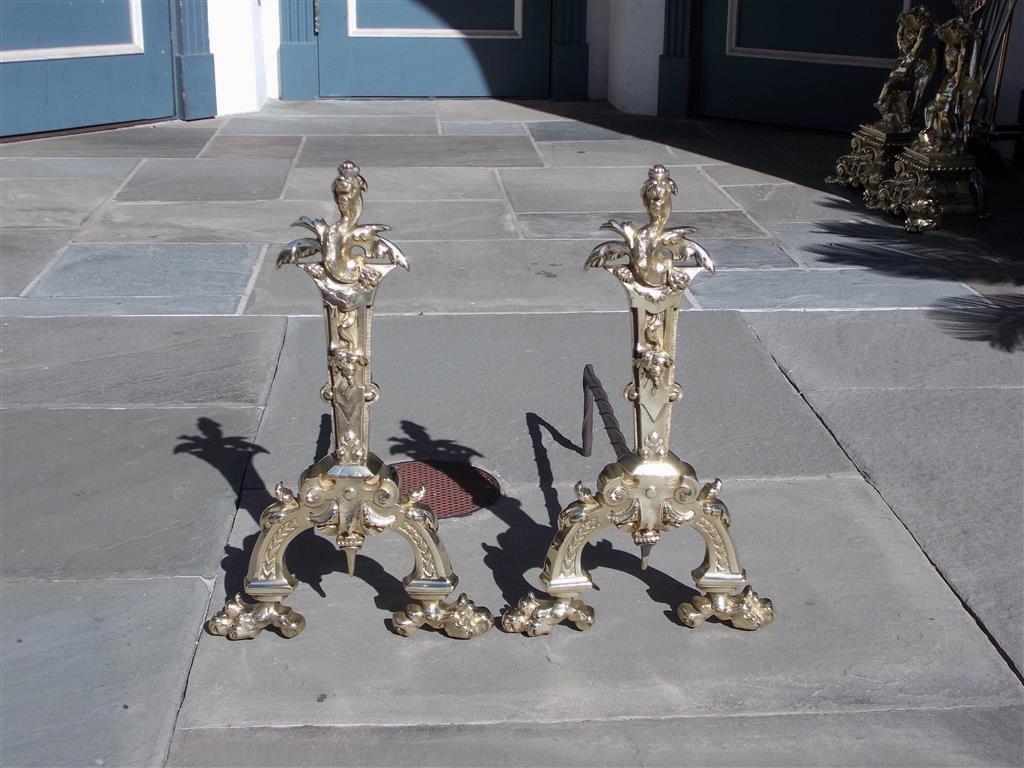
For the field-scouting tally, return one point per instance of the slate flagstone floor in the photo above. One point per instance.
(859, 390)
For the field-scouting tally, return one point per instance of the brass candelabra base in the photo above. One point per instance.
(347, 503)
(870, 162)
(644, 496)
(929, 185)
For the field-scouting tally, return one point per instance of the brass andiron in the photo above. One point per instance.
(649, 490)
(876, 146)
(937, 175)
(350, 493)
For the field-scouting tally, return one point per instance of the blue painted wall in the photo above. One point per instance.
(424, 66)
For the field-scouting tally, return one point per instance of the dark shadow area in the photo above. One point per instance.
(932, 255)
(524, 544)
(418, 445)
(310, 557)
(996, 320)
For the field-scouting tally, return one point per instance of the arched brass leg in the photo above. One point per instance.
(720, 574)
(563, 575)
(432, 579)
(269, 581)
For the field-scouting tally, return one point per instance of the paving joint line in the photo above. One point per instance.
(76, 230)
(867, 478)
(250, 285)
(606, 719)
(774, 240)
(188, 671)
(292, 167)
(230, 528)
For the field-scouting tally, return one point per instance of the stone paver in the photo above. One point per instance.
(94, 670)
(143, 361)
(195, 222)
(401, 184)
(207, 179)
(464, 128)
(604, 153)
(760, 426)
(870, 459)
(925, 451)
(156, 512)
(842, 289)
(335, 125)
(547, 190)
(25, 252)
(65, 167)
(159, 271)
(956, 738)
(171, 139)
(929, 420)
(52, 202)
(253, 146)
(586, 226)
(868, 625)
(419, 151)
(871, 350)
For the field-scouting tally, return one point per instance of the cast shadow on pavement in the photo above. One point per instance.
(996, 319)
(524, 543)
(310, 557)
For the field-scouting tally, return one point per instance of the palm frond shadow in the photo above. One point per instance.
(889, 249)
(997, 320)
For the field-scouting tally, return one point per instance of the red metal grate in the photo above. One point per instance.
(454, 489)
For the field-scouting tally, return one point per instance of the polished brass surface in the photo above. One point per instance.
(936, 175)
(876, 146)
(349, 494)
(650, 490)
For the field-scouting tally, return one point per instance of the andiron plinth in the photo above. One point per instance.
(350, 493)
(650, 490)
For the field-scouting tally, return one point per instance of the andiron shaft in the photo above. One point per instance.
(350, 493)
(649, 490)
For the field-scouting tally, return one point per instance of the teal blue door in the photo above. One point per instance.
(434, 47)
(70, 63)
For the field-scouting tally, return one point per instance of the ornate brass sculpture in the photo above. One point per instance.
(649, 490)
(936, 175)
(350, 493)
(876, 146)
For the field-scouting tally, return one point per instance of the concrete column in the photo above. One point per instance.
(676, 65)
(636, 30)
(569, 50)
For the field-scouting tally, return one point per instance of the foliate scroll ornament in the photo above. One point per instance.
(460, 619)
(852, 169)
(658, 261)
(744, 611)
(240, 620)
(537, 616)
(654, 447)
(346, 260)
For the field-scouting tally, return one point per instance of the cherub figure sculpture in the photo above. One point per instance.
(350, 493)
(875, 147)
(944, 116)
(897, 103)
(649, 490)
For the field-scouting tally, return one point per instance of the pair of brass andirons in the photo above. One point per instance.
(914, 161)
(351, 493)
